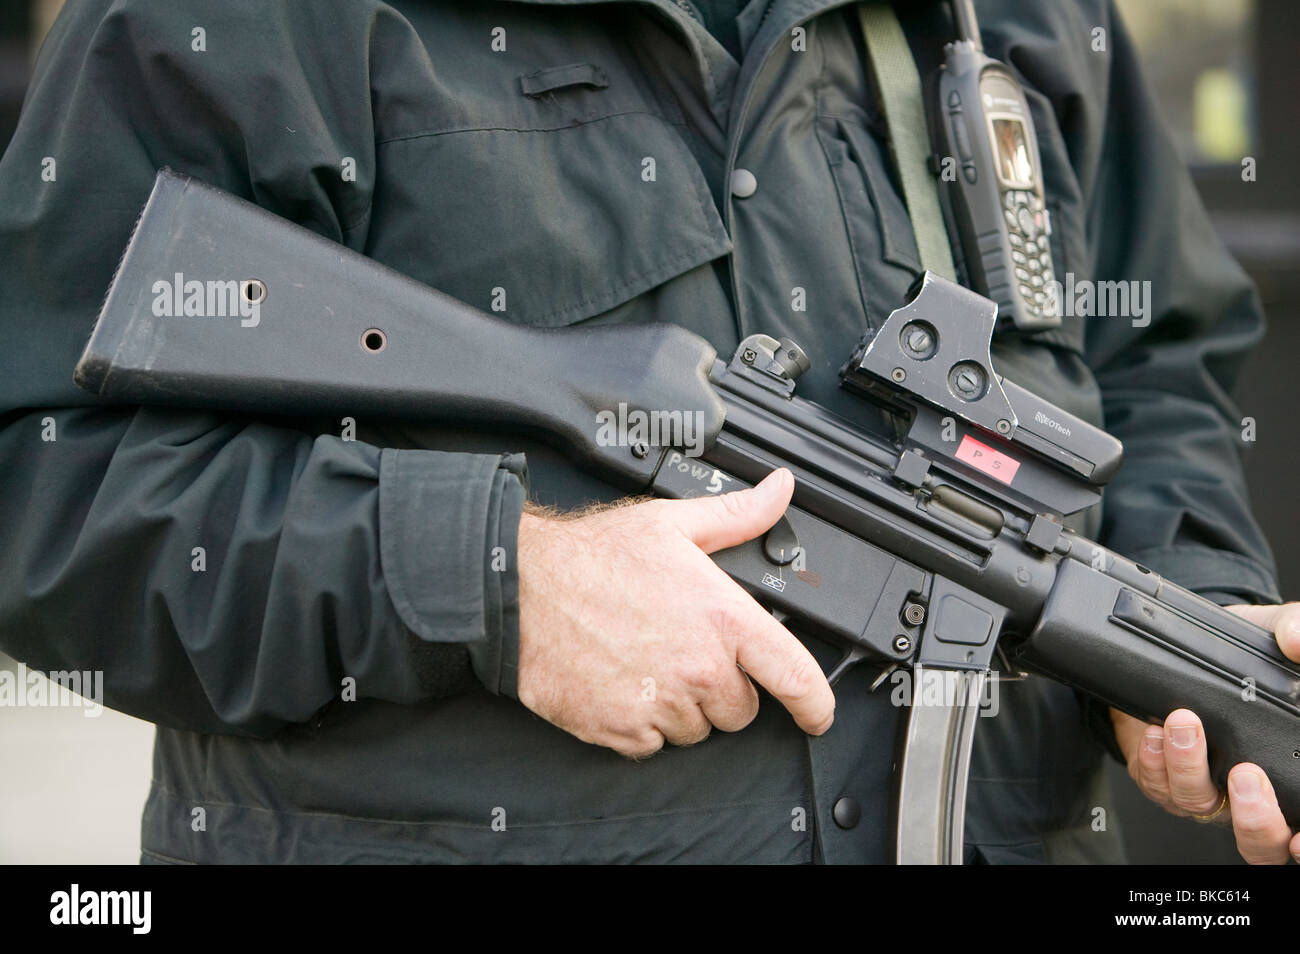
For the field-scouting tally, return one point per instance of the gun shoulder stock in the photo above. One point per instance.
(220, 304)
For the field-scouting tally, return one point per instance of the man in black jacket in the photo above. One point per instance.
(343, 629)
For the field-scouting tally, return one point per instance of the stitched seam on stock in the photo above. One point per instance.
(426, 134)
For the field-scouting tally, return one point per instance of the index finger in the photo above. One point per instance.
(782, 665)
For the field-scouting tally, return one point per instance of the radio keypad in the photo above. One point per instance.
(1028, 229)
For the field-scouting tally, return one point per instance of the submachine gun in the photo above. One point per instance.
(935, 549)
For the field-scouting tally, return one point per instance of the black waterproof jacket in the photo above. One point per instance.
(500, 149)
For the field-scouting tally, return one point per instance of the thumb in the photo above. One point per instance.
(715, 523)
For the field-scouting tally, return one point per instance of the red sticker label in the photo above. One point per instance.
(984, 458)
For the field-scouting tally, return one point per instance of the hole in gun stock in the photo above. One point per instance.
(253, 290)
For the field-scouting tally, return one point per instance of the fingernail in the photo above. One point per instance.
(776, 478)
(1154, 741)
(1245, 786)
(1183, 736)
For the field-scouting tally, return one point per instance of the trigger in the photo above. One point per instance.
(851, 657)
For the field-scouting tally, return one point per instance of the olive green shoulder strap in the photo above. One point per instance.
(901, 95)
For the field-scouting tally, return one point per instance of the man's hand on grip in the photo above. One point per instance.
(1171, 766)
(630, 636)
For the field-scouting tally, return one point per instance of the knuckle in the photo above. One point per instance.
(736, 715)
(747, 709)
(692, 735)
(723, 620)
(1152, 778)
(1198, 803)
(705, 672)
(1156, 793)
(798, 680)
(1187, 773)
(732, 506)
(640, 746)
(1152, 783)
(734, 722)
(1252, 824)
(1153, 788)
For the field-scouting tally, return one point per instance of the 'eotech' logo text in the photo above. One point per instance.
(212, 299)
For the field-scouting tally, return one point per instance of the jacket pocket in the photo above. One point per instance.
(547, 226)
(875, 215)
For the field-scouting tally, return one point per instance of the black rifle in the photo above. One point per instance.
(935, 548)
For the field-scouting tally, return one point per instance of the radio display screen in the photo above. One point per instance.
(1014, 168)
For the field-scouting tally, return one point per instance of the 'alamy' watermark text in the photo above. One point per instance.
(1084, 298)
(190, 298)
(75, 906)
(632, 427)
(23, 687)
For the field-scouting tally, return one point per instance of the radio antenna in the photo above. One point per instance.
(968, 27)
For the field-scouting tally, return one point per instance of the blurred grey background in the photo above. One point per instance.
(71, 787)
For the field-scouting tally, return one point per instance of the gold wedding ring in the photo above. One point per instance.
(1223, 803)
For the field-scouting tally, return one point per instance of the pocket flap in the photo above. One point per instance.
(548, 227)
(559, 77)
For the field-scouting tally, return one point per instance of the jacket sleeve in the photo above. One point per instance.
(1179, 504)
(226, 574)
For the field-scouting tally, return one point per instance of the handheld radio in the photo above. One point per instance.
(994, 200)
